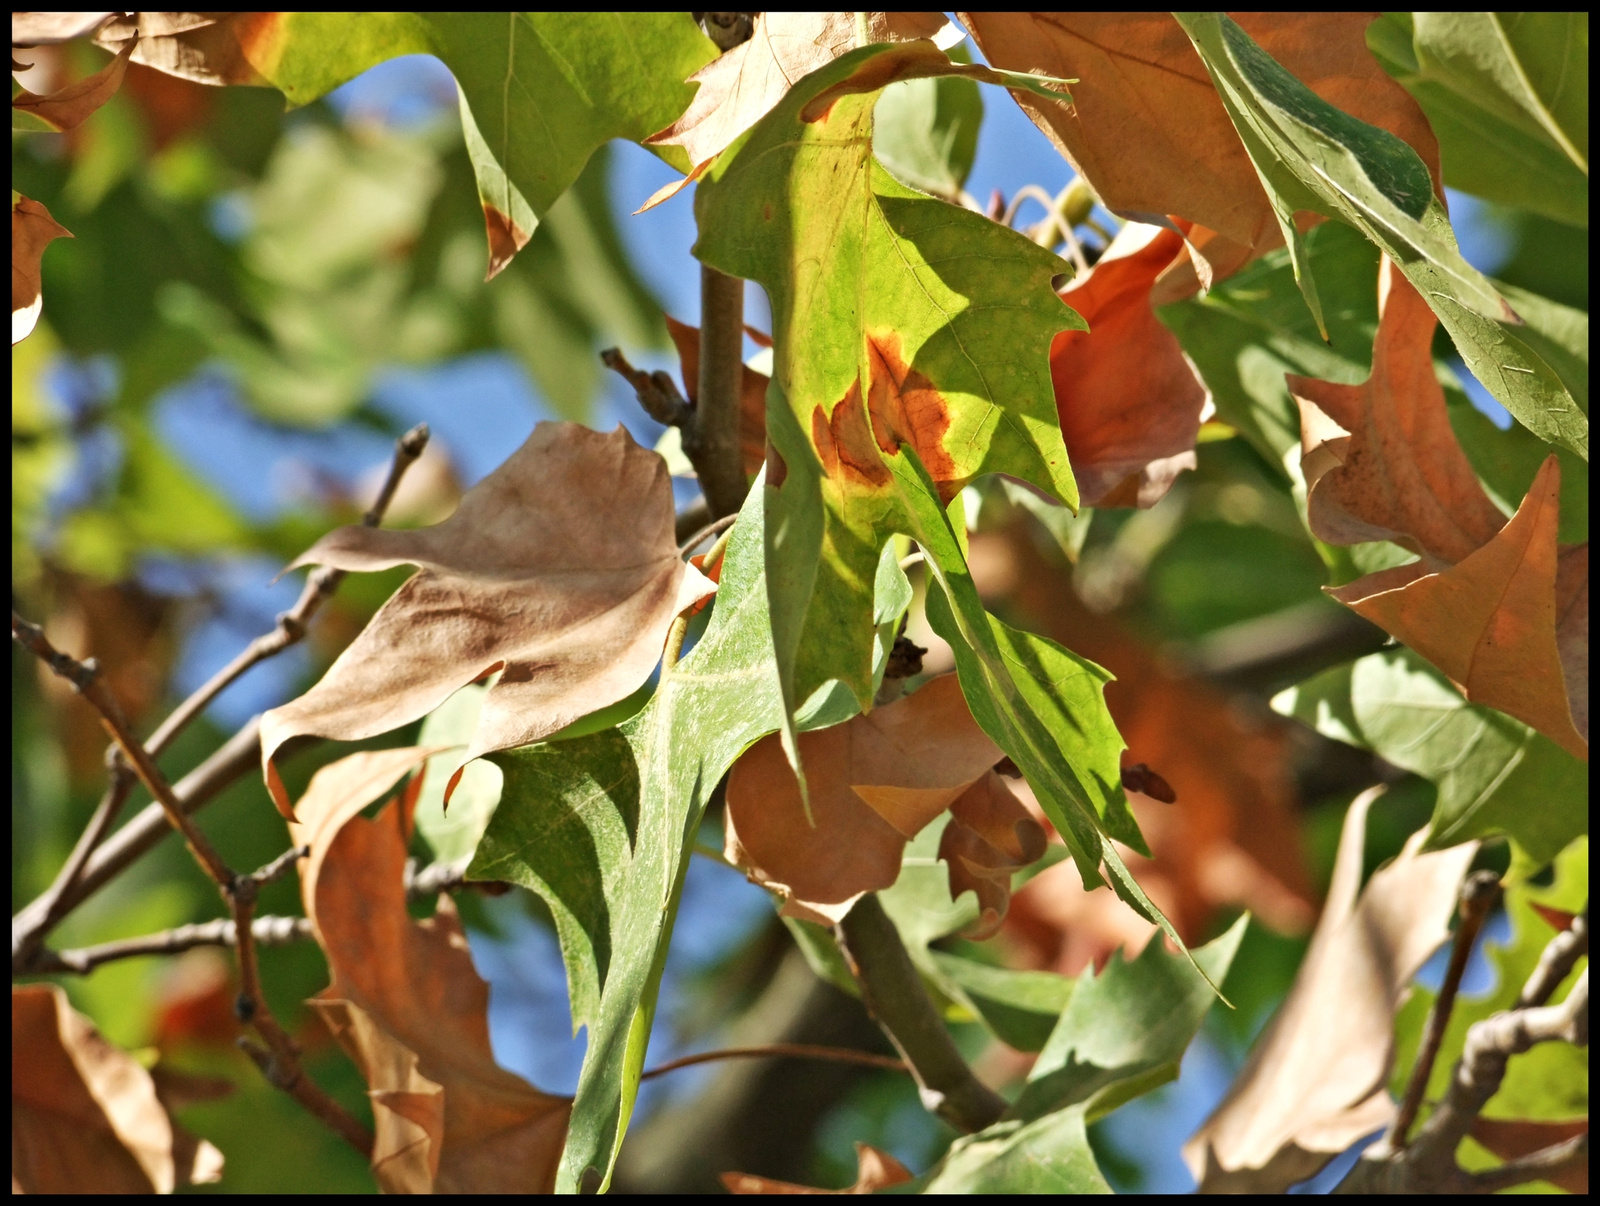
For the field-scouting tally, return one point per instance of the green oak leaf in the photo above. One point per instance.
(540, 92)
(926, 133)
(1312, 156)
(1499, 137)
(602, 826)
(1121, 1034)
(898, 320)
(1549, 1082)
(1494, 775)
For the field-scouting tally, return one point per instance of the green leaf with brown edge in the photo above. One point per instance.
(897, 320)
(602, 828)
(540, 92)
(1313, 156)
(1494, 774)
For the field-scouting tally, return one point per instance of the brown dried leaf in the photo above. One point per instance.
(1380, 459)
(32, 230)
(1489, 622)
(875, 1170)
(69, 107)
(560, 567)
(875, 782)
(85, 1116)
(1147, 129)
(1317, 1079)
(1128, 397)
(742, 86)
(43, 29)
(1511, 1138)
(1232, 837)
(989, 836)
(409, 1008)
(208, 48)
(752, 394)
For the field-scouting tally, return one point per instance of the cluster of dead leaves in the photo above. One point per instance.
(406, 1003)
(875, 782)
(559, 570)
(1496, 605)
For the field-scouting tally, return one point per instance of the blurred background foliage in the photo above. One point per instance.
(255, 302)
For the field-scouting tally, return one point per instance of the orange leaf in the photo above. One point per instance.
(69, 107)
(752, 392)
(875, 782)
(1317, 1079)
(409, 1008)
(1129, 399)
(32, 230)
(85, 1116)
(561, 567)
(1148, 131)
(989, 836)
(1381, 461)
(875, 1170)
(742, 86)
(1489, 622)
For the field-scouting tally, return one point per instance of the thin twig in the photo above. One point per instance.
(1558, 958)
(1545, 1164)
(711, 529)
(838, 1055)
(290, 627)
(711, 440)
(657, 392)
(897, 1000)
(266, 931)
(1478, 894)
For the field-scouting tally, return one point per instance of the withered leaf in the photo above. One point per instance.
(1148, 131)
(69, 107)
(741, 87)
(560, 568)
(42, 29)
(875, 782)
(208, 48)
(32, 230)
(1129, 399)
(875, 1170)
(85, 1116)
(1317, 1079)
(752, 394)
(1512, 1138)
(407, 1005)
(1489, 602)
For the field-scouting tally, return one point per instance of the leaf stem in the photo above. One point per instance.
(895, 996)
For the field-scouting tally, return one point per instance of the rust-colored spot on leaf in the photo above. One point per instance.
(506, 238)
(845, 443)
(906, 408)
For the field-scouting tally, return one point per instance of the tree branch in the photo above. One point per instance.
(838, 1055)
(266, 931)
(896, 998)
(1543, 1165)
(1478, 894)
(711, 441)
(1559, 957)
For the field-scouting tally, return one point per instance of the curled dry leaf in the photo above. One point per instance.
(43, 29)
(1129, 400)
(32, 230)
(875, 782)
(742, 86)
(67, 108)
(1490, 602)
(1148, 131)
(1230, 840)
(407, 1005)
(560, 568)
(86, 1116)
(208, 48)
(875, 1170)
(752, 394)
(1317, 1079)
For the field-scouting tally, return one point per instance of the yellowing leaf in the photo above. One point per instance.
(1317, 1079)
(560, 569)
(1128, 398)
(875, 782)
(407, 1005)
(32, 230)
(85, 1116)
(742, 86)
